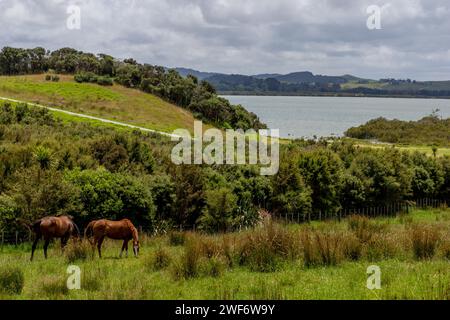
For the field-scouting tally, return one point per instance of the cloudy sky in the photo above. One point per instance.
(246, 36)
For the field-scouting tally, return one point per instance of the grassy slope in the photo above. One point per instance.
(113, 278)
(404, 147)
(115, 103)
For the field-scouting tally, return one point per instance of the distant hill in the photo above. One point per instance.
(307, 83)
(199, 74)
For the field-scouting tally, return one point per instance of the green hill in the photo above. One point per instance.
(111, 102)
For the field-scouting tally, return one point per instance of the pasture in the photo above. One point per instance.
(322, 260)
(110, 102)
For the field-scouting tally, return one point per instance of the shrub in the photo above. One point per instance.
(48, 77)
(177, 238)
(188, 264)
(363, 227)
(105, 81)
(263, 248)
(55, 78)
(325, 248)
(424, 241)
(445, 249)
(78, 250)
(352, 247)
(383, 246)
(11, 280)
(213, 267)
(160, 260)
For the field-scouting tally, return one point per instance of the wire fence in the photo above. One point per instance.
(390, 210)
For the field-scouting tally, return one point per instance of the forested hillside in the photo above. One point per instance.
(199, 97)
(307, 83)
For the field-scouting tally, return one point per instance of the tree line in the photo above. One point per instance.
(50, 167)
(197, 96)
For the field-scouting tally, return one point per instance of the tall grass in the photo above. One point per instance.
(11, 280)
(425, 241)
(264, 248)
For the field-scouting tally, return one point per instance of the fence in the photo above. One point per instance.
(378, 211)
(18, 237)
(15, 237)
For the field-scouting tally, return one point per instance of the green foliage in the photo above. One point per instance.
(93, 78)
(427, 131)
(218, 214)
(160, 260)
(113, 196)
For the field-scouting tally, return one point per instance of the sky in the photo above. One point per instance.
(329, 37)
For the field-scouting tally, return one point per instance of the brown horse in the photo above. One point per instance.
(117, 230)
(53, 227)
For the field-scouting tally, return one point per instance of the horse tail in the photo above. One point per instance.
(36, 226)
(89, 228)
(77, 231)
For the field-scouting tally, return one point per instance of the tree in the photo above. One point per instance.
(218, 213)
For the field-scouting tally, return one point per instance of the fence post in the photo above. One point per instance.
(17, 237)
(3, 237)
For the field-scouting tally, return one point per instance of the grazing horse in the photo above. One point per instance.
(53, 227)
(117, 230)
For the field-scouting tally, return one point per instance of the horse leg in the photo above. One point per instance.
(64, 242)
(123, 248)
(36, 240)
(47, 241)
(125, 243)
(99, 246)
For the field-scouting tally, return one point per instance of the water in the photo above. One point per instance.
(327, 116)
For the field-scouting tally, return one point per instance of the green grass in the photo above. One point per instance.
(111, 102)
(441, 151)
(403, 276)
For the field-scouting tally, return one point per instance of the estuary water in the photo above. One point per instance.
(328, 116)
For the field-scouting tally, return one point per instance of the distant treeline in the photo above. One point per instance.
(430, 130)
(50, 167)
(197, 96)
(240, 84)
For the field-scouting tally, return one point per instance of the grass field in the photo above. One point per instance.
(428, 150)
(270, 262)
(111, 102)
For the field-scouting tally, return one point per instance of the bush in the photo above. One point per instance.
(91, 77)
(213, 267)
(11, 280)
(363, 227)
(445, 249)
(160, 260)
(325, 248)
(188, 264)
(177, 238)
(104, 81)
(78, 250)
(263, 249)
(55, 78)
(425, 240)
(383, 246)
(48, 77)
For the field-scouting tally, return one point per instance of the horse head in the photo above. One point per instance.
(136, 247)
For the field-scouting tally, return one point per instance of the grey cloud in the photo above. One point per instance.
(253, 36)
